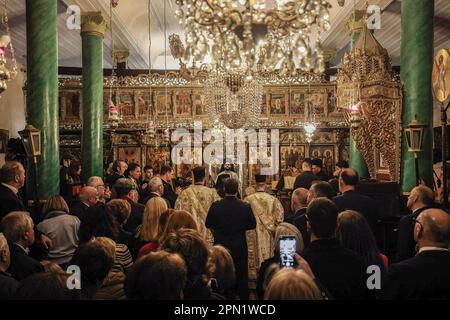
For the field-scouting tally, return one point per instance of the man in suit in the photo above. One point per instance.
(118, 167)
(305, 179)
(12, 178)
(18, 229)
(170, 194)
(298, 204)
(8, 285)
(319, 189)
(123, 188)
(427, 274)
(352, 200)
(104, 194)
(88, 197)
(340, 270)
(156, 187)
(229, 219)
(420, 198)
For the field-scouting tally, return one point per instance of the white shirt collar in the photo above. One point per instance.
(432, 249)
(10, 187)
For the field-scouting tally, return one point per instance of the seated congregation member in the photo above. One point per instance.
(229, 219)
(8, 285)
(134, 173)
(47, 286)
(18, 230)
(87, 198)
(266, 269)
(103, 192)
(12, 178)
(193, 248)
(306, 177)
(420, 199)
(112, 286)
(197, 199)
(156, 188)
(354, 233)
(61, 228)
(317, 169)
(269, 213)
(149, 231)
(118, 167)
(292, 284)
(340, 270)
(157, 276)
(352, 200)
(298, 204)
(427, 274)
(123, 188)
(170, 192)
(223, 277)
(318, 189)
(177, 220)
(94, 263)
(99, 223)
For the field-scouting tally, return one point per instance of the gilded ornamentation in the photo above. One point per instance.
(93, 23)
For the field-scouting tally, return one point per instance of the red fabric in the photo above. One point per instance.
(147, 248)
(384, 260)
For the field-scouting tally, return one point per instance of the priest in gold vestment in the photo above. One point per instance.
(269, 213)
(196, 199)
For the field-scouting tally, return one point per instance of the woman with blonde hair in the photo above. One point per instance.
(149, 231)
(178, 219)
(290, 284)
(61, 228)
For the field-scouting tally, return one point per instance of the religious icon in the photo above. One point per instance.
(183, 103)
(126, 105)
(164, 104)
(316, 153)
(441, 75)
(278, 104)
(319, 101)
(143, 104)
(157, 157)
(72, 103)
(291, 156)
(129, 154)
(298, 103)
(199, 104)
(264, 105)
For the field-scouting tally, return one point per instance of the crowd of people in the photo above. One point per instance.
(134, 234)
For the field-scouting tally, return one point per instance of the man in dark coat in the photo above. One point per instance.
(118, 167)
(340, 270)
(123, 188)
(170, 194)
(352, 200)
(229, 219)
(19, 231)
(420, 198)
(12, 178)
(427, 274)
(306, 177)
(317, 170)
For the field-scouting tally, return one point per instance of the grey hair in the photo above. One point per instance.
(3, 242)
(92, 181)
(15, 224)
(154, 184)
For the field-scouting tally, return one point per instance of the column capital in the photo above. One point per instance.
(120, 55)
(355, 20)
(93, 23)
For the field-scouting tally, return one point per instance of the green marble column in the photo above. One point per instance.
(355, 23)
(93, 28)
(42, 90)
(416, 70)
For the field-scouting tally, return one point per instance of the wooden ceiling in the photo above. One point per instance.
(130, 29)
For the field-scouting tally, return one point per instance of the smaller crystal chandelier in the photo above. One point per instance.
(5, 41)
(309, 128)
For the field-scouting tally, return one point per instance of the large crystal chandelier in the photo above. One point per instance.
(6, 73)
(249, 36)
(233, 100)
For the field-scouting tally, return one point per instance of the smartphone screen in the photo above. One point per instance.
(288, 245)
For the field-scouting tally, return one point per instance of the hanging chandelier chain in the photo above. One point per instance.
(5, 22)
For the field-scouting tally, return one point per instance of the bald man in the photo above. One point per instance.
(350, 199)
(420, 199)
(427, 274)
(88, 197)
